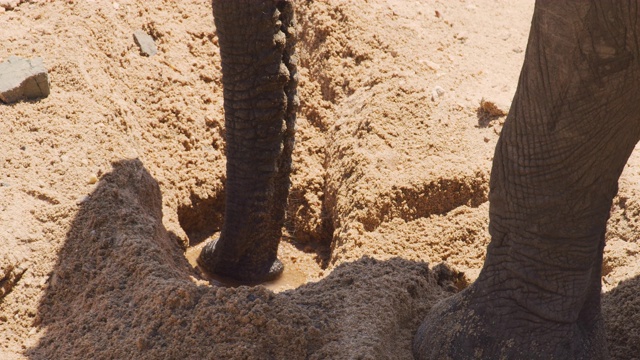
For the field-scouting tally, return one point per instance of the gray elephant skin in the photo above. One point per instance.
(573, 124)
(259, 77)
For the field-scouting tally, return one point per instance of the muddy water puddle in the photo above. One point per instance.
(291, 277)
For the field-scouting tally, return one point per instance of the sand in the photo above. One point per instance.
(388, 208)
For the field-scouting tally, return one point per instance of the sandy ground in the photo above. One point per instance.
(388, 208)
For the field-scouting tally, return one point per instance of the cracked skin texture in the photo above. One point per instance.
(259, 76)
(539, 292)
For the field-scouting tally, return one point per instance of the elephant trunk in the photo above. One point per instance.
(259, 77)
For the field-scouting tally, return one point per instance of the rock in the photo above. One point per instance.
(9, 4)
(461, 36)
(145, 42)
(490, 109)
(431, 65)
(23, 79)
(437, 92)
(82, 199)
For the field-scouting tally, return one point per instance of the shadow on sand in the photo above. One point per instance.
(622, 319)
(122, 289)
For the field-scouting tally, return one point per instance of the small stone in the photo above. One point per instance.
(490, 109)
(145, 42)
(9, 4)
(439, 90)
(82, 199)
(23, 79)
(116, 5)
(432, 65)
(462, 37)
(93, 179)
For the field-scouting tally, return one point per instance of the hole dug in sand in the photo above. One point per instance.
(202, 221)
(291, 278)
(202, 218)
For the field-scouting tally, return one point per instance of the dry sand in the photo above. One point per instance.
(391, 177)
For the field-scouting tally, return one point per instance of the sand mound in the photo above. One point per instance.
(123, 289)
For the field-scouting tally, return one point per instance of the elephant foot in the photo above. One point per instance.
(489, 326)
(248, 269)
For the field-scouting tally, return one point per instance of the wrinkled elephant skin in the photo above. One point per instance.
(259, 77)
(571, 128)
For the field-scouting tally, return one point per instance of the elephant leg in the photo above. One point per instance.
(571, 128)
(259, 77)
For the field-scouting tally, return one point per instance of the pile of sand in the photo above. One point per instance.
(391, 169)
